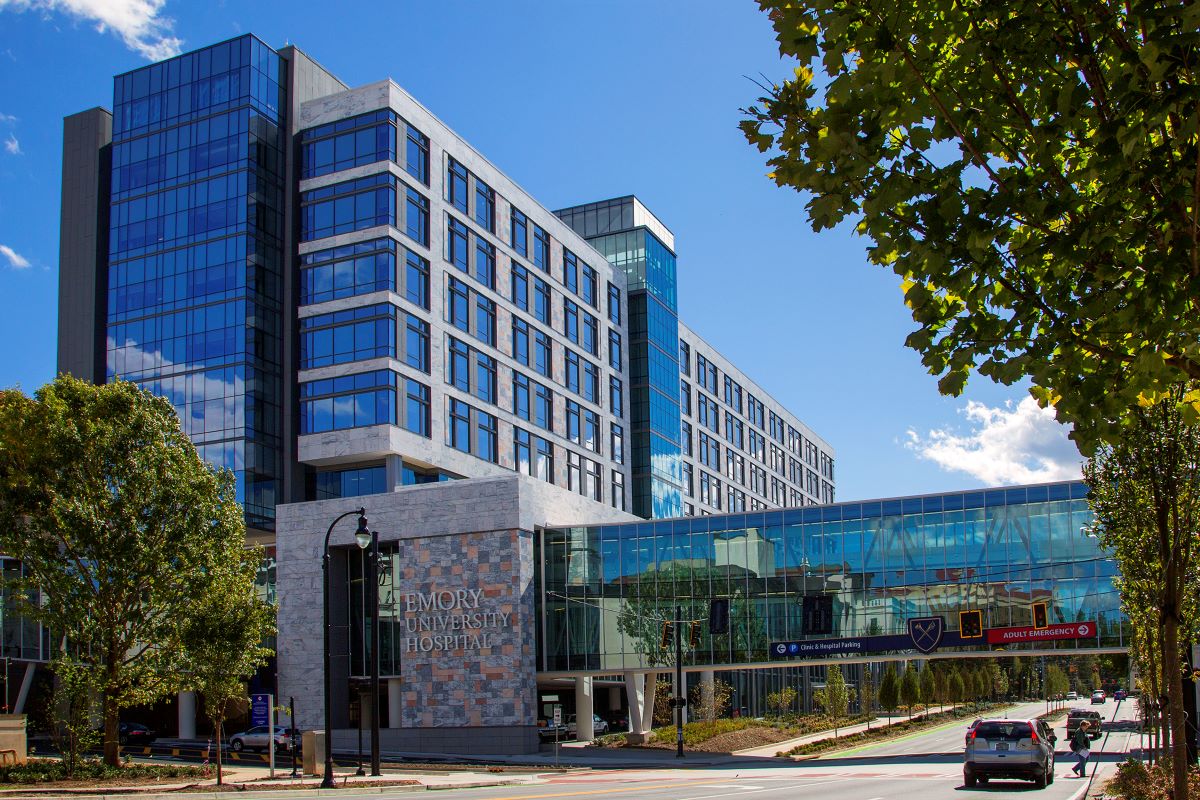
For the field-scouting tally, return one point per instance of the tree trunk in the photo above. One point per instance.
(220, 739)
(1179, 754)
(112, 732)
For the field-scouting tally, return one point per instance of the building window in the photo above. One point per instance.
(591, 334)
(685, 399)
(571, 320)
(348, 401)
(416, 409)
(574, 471)
(616, 443)
(685, 358)
(456, 185)
(348, 206)
(485, 378)
(416, 217)
(458, 304)
(348, 271)
(416, 343)
(417, 155)
(485, 263)
(416, 280)
(458, 428)
(351, 335)
(521, 395)
(733, 394)
(541, 248)
(591, 480)
(543, 407)
(685, 434)
(614, 304)
(754, 410)
(519, 233)
(457, 243)
(522, 451)
(458, 373)
(485, 320)
(573, 424)
(590, 290)
(485, 436)
(520, 337)
(689, 487)
(541, 301)
(733, 430)
(360, 140)
(570, 269)
(543, 360)
(618, 490)
(543, 459)
(616, 402)
(614, 349)
(591, 382)
(519, 287)
(485, 206)
(571, 378)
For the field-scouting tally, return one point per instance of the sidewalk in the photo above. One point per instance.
(770, 750)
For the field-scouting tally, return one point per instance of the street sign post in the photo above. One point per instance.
(262, 712)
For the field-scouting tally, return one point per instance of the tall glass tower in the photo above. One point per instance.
(195, 252)
(632, 239)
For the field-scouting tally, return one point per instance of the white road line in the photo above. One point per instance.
(768, 789)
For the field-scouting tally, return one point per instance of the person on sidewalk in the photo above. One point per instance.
(1081, 743)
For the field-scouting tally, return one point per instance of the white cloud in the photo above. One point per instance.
(12, 145)
(1005, 445)
(15, 259)
(137, 22)
(7, 119)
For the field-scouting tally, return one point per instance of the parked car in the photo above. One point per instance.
(547, 732)
(1099, 696)
(259, 738)
(1010, 748)
(133, 733)
(599, 726)
(1072, 695)
(1077, 715)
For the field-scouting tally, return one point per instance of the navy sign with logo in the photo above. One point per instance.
(925, 634)
(260, 706)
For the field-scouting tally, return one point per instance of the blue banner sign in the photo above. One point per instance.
(260, 706)
(926, 640)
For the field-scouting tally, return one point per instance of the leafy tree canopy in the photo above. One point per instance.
(122, 531)
(1028, 169)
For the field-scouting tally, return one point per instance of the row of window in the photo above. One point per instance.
(364, 139)
(379, 397)
(363, 268)
(364, 203)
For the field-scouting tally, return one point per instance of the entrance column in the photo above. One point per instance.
(584, 724)
(648, 704)
(395, 702)
(187, 715)
(635, 689)
(708, 691)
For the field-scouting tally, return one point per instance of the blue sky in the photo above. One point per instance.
(576, 101)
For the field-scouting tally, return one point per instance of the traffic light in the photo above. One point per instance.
(665, 642)
(970, 624)
(1039, 616)
(718, 616)
(694, 635)
(818, 614)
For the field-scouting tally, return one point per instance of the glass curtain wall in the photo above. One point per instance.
(195, 248)
(608, 589)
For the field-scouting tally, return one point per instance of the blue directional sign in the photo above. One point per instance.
(260, 708)
(918, 638)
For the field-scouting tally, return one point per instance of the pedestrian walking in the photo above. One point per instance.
(1081, 743)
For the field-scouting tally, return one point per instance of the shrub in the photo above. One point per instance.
(47, 770)
(1137, 781)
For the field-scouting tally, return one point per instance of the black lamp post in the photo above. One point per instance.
(372, 590)
(327, 780)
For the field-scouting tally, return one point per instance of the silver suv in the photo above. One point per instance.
(1010, 748)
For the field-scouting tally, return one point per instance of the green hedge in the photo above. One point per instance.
(891, 731)
(48, 770)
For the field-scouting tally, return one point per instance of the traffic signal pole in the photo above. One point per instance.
(680, 692)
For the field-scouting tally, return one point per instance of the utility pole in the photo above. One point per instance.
(680, 692)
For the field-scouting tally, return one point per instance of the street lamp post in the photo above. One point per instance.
(327, 780)
(373, 595)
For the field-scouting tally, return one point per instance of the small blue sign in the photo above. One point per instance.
(260, 709)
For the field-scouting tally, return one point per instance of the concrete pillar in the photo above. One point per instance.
(648, 702)
(614, 698)
(635, 690)
(26, 684)
(395, 691)
(584, 724)
(366, 709)
(187, 715)
(708, 691)
(393, 470)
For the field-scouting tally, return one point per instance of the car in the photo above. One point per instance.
(1120, 695)
(548, 732)
(134, 733)
(1072, 695)
(599, 726)
(259, 738)
(1099, 696)
(1077, 715)
(1010, 748)
(971, 728)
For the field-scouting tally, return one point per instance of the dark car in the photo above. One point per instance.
(134, 733)
(1077, 715)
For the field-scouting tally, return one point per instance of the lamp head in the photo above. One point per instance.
(363, 535)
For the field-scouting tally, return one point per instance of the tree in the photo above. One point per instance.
(928, 688)
(941, 686)
(1145, 494)
(958, 689)
(1028, 171)
(121, 527)
(711, 706)
(783, 700)
(835, 697)
(889, 689)
(224, 640)
(910, 688)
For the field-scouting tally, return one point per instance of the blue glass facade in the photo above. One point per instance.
(654, 415)
(608, 588)
(195, 252)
